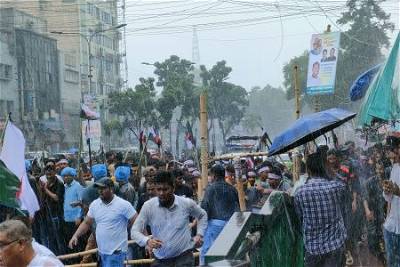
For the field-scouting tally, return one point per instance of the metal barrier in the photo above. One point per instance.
(268, 237)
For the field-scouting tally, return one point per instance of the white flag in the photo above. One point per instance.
(13, 155)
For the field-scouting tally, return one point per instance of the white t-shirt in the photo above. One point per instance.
(111, 224)
(392, 223)
(45, 261)
(42, 250)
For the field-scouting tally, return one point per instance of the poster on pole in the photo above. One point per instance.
(322, 63)
(91, 129)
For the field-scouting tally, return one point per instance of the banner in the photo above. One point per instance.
(322, 63)
(92, 130)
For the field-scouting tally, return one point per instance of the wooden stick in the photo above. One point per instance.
(204, 144)
(83, 253)
(128, 262)
(232, 156)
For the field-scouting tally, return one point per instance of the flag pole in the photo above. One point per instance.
(5, 127)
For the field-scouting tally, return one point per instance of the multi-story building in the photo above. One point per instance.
(80, 26)
(31, 86)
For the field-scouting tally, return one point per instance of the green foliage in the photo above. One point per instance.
(227, 102)
(136, 105)
(361, 47)
(252, 121)
(113, 125)
(176, 78)
(275, 115)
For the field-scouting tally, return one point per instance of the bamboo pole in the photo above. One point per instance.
(296, 157)
(204, 144)
(232, 156)
(83, 253)
(128, 262)
(239, 184)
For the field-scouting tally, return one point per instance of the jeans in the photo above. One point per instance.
(184, 260)
(214, 228)
(114, 260)
(392, 245)
(332, 259)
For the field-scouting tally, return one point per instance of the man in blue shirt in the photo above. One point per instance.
(220, 201)
(72, 197)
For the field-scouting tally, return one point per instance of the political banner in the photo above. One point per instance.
(322, 63)
(91, 129)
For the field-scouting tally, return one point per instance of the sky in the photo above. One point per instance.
(256, 53)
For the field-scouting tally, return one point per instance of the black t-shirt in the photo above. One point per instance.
(55, 208)
(184, 191)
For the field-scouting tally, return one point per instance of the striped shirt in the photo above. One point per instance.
(170, 225)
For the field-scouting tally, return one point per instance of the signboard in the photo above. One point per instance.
(91, 129)
(322, 63)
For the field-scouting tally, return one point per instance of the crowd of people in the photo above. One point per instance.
(347, 197)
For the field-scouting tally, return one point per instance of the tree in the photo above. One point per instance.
(361, 48)
(137, 106)
(227, 102)
(275, 115)
(176, 78)
(110, 127)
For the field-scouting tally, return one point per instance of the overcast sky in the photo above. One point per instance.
(256, 53)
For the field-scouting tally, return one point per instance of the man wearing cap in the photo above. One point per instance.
(220, 201)
(72, 197)
(126, 190)
(113, 216)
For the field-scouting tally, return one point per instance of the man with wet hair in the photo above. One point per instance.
(168, 218)
(16, 247)
(318, 206)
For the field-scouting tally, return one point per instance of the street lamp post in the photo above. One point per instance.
(88, 40)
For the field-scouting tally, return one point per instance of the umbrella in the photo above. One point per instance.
(360, 85)
(308, 128)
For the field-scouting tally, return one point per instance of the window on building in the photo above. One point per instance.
(105, 17)
(70, 60)
(3, 107)
(97, 12)
(5, 72)
(71, 76)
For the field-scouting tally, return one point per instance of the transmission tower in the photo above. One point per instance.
(195, 47)
(122, 45)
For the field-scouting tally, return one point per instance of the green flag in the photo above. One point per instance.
(9, 186)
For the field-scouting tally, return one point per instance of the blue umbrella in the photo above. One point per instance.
(308, 128)
(361, 84)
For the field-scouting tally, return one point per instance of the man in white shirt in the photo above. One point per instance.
(16, 247)
(113, 217)
(392, 224)
(168, 217)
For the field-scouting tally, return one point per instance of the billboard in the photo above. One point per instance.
(91, 129)
(322, 63)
